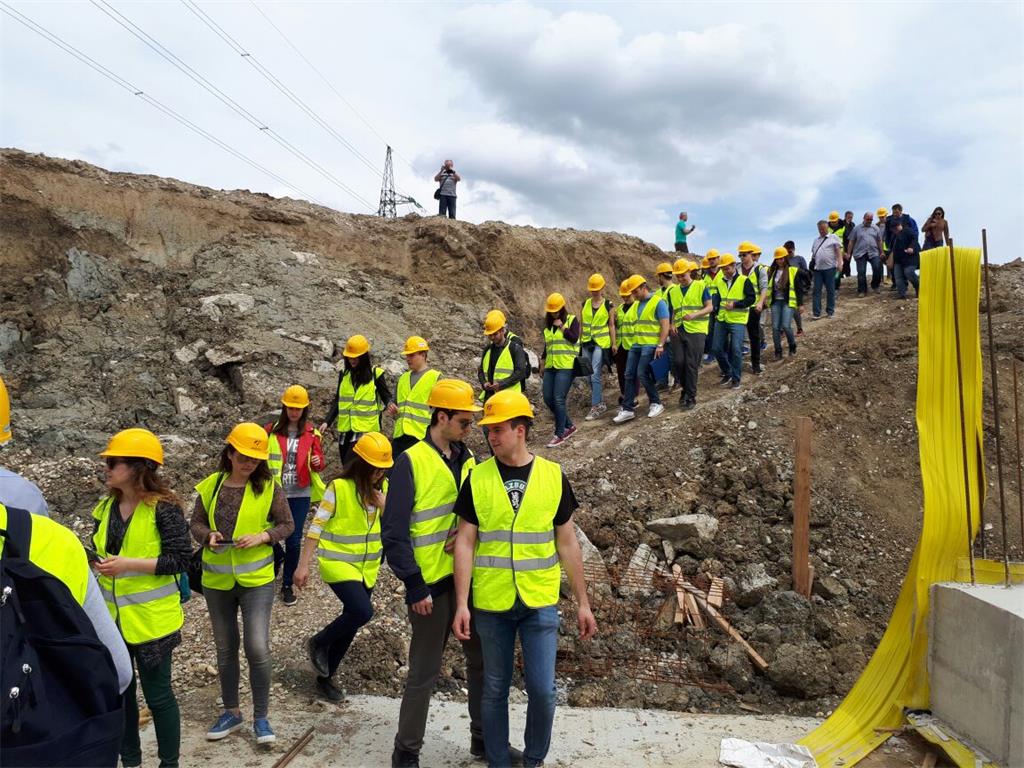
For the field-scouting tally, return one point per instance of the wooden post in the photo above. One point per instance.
(802, 508)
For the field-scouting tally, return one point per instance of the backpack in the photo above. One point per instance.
(59, 698)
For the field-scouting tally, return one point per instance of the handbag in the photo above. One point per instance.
(582, 367)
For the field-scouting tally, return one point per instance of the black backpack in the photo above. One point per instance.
(59, 698)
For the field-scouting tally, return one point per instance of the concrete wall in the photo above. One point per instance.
(976, 666)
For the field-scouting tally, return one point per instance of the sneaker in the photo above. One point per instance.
(655, 410)
(402, 759)
(569, 432)
(800, 332)
(778, 354)
(734, 384)
(815, 317)
(317, 657)
(756, 371)
(264, 733)
(709, 359)
(689, 405)
(726, 378)
(764, 345)
(555, 441)
(595, 411)
(226, 723)
(288, 596)
(792, 351)
(329, 690)
(623, 416)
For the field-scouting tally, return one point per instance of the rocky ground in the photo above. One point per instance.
(136, 300)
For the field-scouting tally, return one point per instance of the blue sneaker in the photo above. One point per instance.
(226, 723)
(264, 733)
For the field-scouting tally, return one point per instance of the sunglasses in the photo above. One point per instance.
(113, 461)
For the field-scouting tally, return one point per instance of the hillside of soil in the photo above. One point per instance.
(136, 300)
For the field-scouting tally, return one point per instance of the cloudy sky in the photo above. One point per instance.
(755, 118)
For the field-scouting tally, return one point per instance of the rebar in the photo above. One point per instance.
(963, 420)
(995, 411)
(293, 751)
(1020, 459)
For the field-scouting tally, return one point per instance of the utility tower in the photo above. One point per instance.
(389, 199)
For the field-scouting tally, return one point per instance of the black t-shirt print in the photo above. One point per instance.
(515, 480)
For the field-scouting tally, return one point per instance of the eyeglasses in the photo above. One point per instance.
(464, 423)
(113, 461)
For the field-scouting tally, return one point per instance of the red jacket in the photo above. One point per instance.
(309, 445)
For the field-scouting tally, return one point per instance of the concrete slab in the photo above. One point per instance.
(360, 732)
(976, 666)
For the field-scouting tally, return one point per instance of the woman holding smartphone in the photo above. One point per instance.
(241, 512)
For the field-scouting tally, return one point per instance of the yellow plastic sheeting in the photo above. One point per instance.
(896, 677)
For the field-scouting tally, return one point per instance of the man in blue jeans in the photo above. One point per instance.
(826, 260)
(650, 329)
(597, 339)
(515, 533)
(736, 294)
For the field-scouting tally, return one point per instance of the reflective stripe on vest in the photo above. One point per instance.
(792, 286)
(275, 462)
(625, 318)
(503, 368)
(516, 552)
(693, 301)
(594, 325)
(57, 551)
(432, 519)
(144, 606)
(559, 353)
(350, 547)
(250, 567)
(647, 327)
(413, 412)
(734, 292)
(359, 409)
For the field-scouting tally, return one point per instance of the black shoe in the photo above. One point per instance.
(402, 759)
(328, 689)
(725, 379)
(317, 657)
(288, 596)
(778, 354)
(756, 371)
(734, 384)
(476, 749)
(689, 405)
(792, 351)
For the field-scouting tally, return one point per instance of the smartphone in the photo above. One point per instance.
(92, 554)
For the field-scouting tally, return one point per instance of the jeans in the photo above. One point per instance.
(255, 603)
(159, 696)
(687, 351)
(299, 505)
(639, 364)
(446, 203)
(929, 244)
(730, 363)
(903, 273)
(862, 273)
(556, 384)
(709, 342)
(356, 611)
(754, 333)
(782, 320)
(668, 351)
(538, 636)
(826, 278)
(596, 355)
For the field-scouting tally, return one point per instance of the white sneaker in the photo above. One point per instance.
(623, 416)
(655, 410)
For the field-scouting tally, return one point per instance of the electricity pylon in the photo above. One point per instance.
(389, 199)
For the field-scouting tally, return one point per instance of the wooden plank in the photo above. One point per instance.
(716, 594)
(677, 572)
(802, 507)
(694, 612)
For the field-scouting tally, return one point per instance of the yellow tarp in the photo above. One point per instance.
(897, 677)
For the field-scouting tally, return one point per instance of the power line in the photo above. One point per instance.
(135, 91)
(276, 82)
(198, 78)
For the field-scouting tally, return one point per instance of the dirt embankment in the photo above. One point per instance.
(138, 300)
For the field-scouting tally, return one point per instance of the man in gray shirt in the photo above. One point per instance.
(865, 247)
(826, 258)
(447, 178)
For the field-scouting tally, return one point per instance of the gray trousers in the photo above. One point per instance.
(255, 604)
(429, 638)
(687, 351)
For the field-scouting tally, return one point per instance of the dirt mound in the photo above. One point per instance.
(133, 299)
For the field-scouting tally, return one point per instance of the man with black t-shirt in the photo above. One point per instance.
(515, 529)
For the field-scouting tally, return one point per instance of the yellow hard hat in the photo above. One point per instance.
(682, 266)
(664, 269)
(834, 216)
(356, 346)
(757, 249)
(596, 282)
(295, 396)
(882, 213)
(746, 247)
(452, 395)
(554, 303)
(250, 440)
(506, 405)
(375, 450)
(624, 288)
(135, 443)
(712, 253)
(5, 413)
(726, 259)
(705, 263)
(780, 253)
(494, 322)
(415, 344)
(635, 281)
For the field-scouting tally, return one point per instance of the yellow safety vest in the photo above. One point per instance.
(559, 353)
(413, 411)
(733, 292)
(275, 461)
(349, 548)
(56, 550)
(145, 606)
(792, 286)
(625, 319)
(646, 325)
(251, 567)
(503, 368)
(692, 301)
(594, 325)
(432, 519)
(515, 551)
(359, 410)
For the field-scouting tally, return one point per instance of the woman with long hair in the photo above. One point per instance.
(362, 395)
(296, 455)
(561, 345)
(346, 536)
(786, 289)
(240, 514)
(935, 230)
(142, 544)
